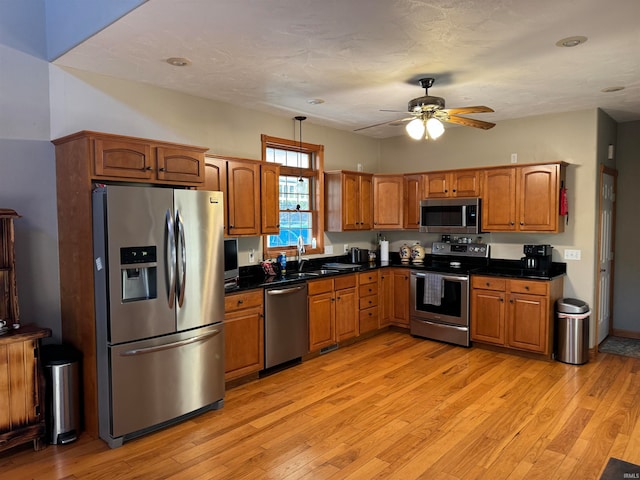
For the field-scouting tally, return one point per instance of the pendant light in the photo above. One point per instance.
(300, 119)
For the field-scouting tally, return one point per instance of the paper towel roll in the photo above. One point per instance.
(384, 250)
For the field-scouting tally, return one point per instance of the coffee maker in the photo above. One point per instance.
(537, 258)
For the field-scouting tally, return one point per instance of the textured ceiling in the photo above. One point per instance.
(361, 56)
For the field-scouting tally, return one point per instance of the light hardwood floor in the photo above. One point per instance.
(390, 407)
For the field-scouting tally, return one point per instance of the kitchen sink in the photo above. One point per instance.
(302, 274)
(324, 271)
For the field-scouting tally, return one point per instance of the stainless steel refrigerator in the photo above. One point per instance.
(159, 294)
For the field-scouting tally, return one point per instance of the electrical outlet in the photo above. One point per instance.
(252, 255)
(514, 158)
(570, 254)
(346, 248)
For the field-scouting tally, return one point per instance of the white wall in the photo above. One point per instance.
(27, 165)
(626, 313)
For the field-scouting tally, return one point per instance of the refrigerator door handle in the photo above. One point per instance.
(166, 346)
(170, 258)
(182, 258)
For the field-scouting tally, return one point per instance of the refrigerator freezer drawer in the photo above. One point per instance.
(157, 380)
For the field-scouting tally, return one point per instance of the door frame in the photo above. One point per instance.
(614, 173)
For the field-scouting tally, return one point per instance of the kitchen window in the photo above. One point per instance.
(300, 194)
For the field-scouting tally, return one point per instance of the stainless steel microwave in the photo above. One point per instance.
(450, 215)
(231, 268)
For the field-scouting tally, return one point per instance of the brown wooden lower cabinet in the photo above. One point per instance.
(22, 409)
(244, 333)
(369, 312)
(346, 306)
(400, 310)
(514, 313)
(322, 314)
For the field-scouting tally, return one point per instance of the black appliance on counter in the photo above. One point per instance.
(537, 258)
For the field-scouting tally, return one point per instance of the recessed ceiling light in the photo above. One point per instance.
(178, 61)
(611, 89)
(571, 41)
(315, 101)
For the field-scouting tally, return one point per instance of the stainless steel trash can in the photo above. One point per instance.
(572, 331)
(62, 376)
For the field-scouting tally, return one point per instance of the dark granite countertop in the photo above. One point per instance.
(253, 277)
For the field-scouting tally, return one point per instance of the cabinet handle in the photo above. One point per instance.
(333, 299)
(501, 299)
(454, 190)
(370, 290)
(339, 298)
(511, 301)
(526, 287)
(278, 226)
(512, 223)
(487, 284)
(162, 169)
(521, 223)
(240, 302)
(148, 168)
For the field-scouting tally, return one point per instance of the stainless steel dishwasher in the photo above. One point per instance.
(286, 326)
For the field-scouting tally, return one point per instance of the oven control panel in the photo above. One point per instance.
(478, 250)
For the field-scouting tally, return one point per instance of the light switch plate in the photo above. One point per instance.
(571, 254)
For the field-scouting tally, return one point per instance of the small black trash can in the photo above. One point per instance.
(572, 331)
(62, 376)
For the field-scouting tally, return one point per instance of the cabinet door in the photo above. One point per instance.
(527, 327)
(465, 183)
(270, 205)
(413, 192)
(350, 202)
(243, 197)
(180, 165)
(488, 316)
(322, 331)
(122, 158)
(437, 185)
(346, 314)
(385, 306)
(366, 202)
(401, 297)
(538, 198)
(215, 179)
(499, 200)
(244, 342)
(387, 202)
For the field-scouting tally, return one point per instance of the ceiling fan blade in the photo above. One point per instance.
(390, 122)
(467, 110)
(470, 122)
(394, 111)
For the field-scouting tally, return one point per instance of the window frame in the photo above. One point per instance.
(317, 195)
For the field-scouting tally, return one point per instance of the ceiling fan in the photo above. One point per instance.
(427, 108)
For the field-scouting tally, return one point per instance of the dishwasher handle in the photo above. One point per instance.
(286, 291)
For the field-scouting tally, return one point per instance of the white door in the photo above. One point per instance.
(607, 218)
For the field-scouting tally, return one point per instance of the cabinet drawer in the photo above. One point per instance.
(368, 277)
(368, 319)
(345, 281)
(368, 289)
(489, 283)
(529, 286)
(320, 286)
(239, 301)
(368, 301)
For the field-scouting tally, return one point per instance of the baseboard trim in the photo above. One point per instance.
(625, 333)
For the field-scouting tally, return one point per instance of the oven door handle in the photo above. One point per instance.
(461, 329)
(444, 277)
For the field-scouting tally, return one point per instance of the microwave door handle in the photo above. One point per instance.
(170, 258)
(182, 259)
(464, 215)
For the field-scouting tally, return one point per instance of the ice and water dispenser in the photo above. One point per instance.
(138, 267)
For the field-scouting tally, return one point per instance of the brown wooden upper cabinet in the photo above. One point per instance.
(251, 193)
(523, 199)
(457, 183)
(139, 160)
(413, 192)
(348, 201)
(388, 202)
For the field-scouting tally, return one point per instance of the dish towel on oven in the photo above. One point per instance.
(432, 289)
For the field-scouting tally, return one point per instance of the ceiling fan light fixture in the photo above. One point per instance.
(415, 128)
(571, 41)
(178, 61)
(435, 128)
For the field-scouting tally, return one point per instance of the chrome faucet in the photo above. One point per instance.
(300, 251)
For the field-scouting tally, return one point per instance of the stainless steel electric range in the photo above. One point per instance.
(440, 291)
